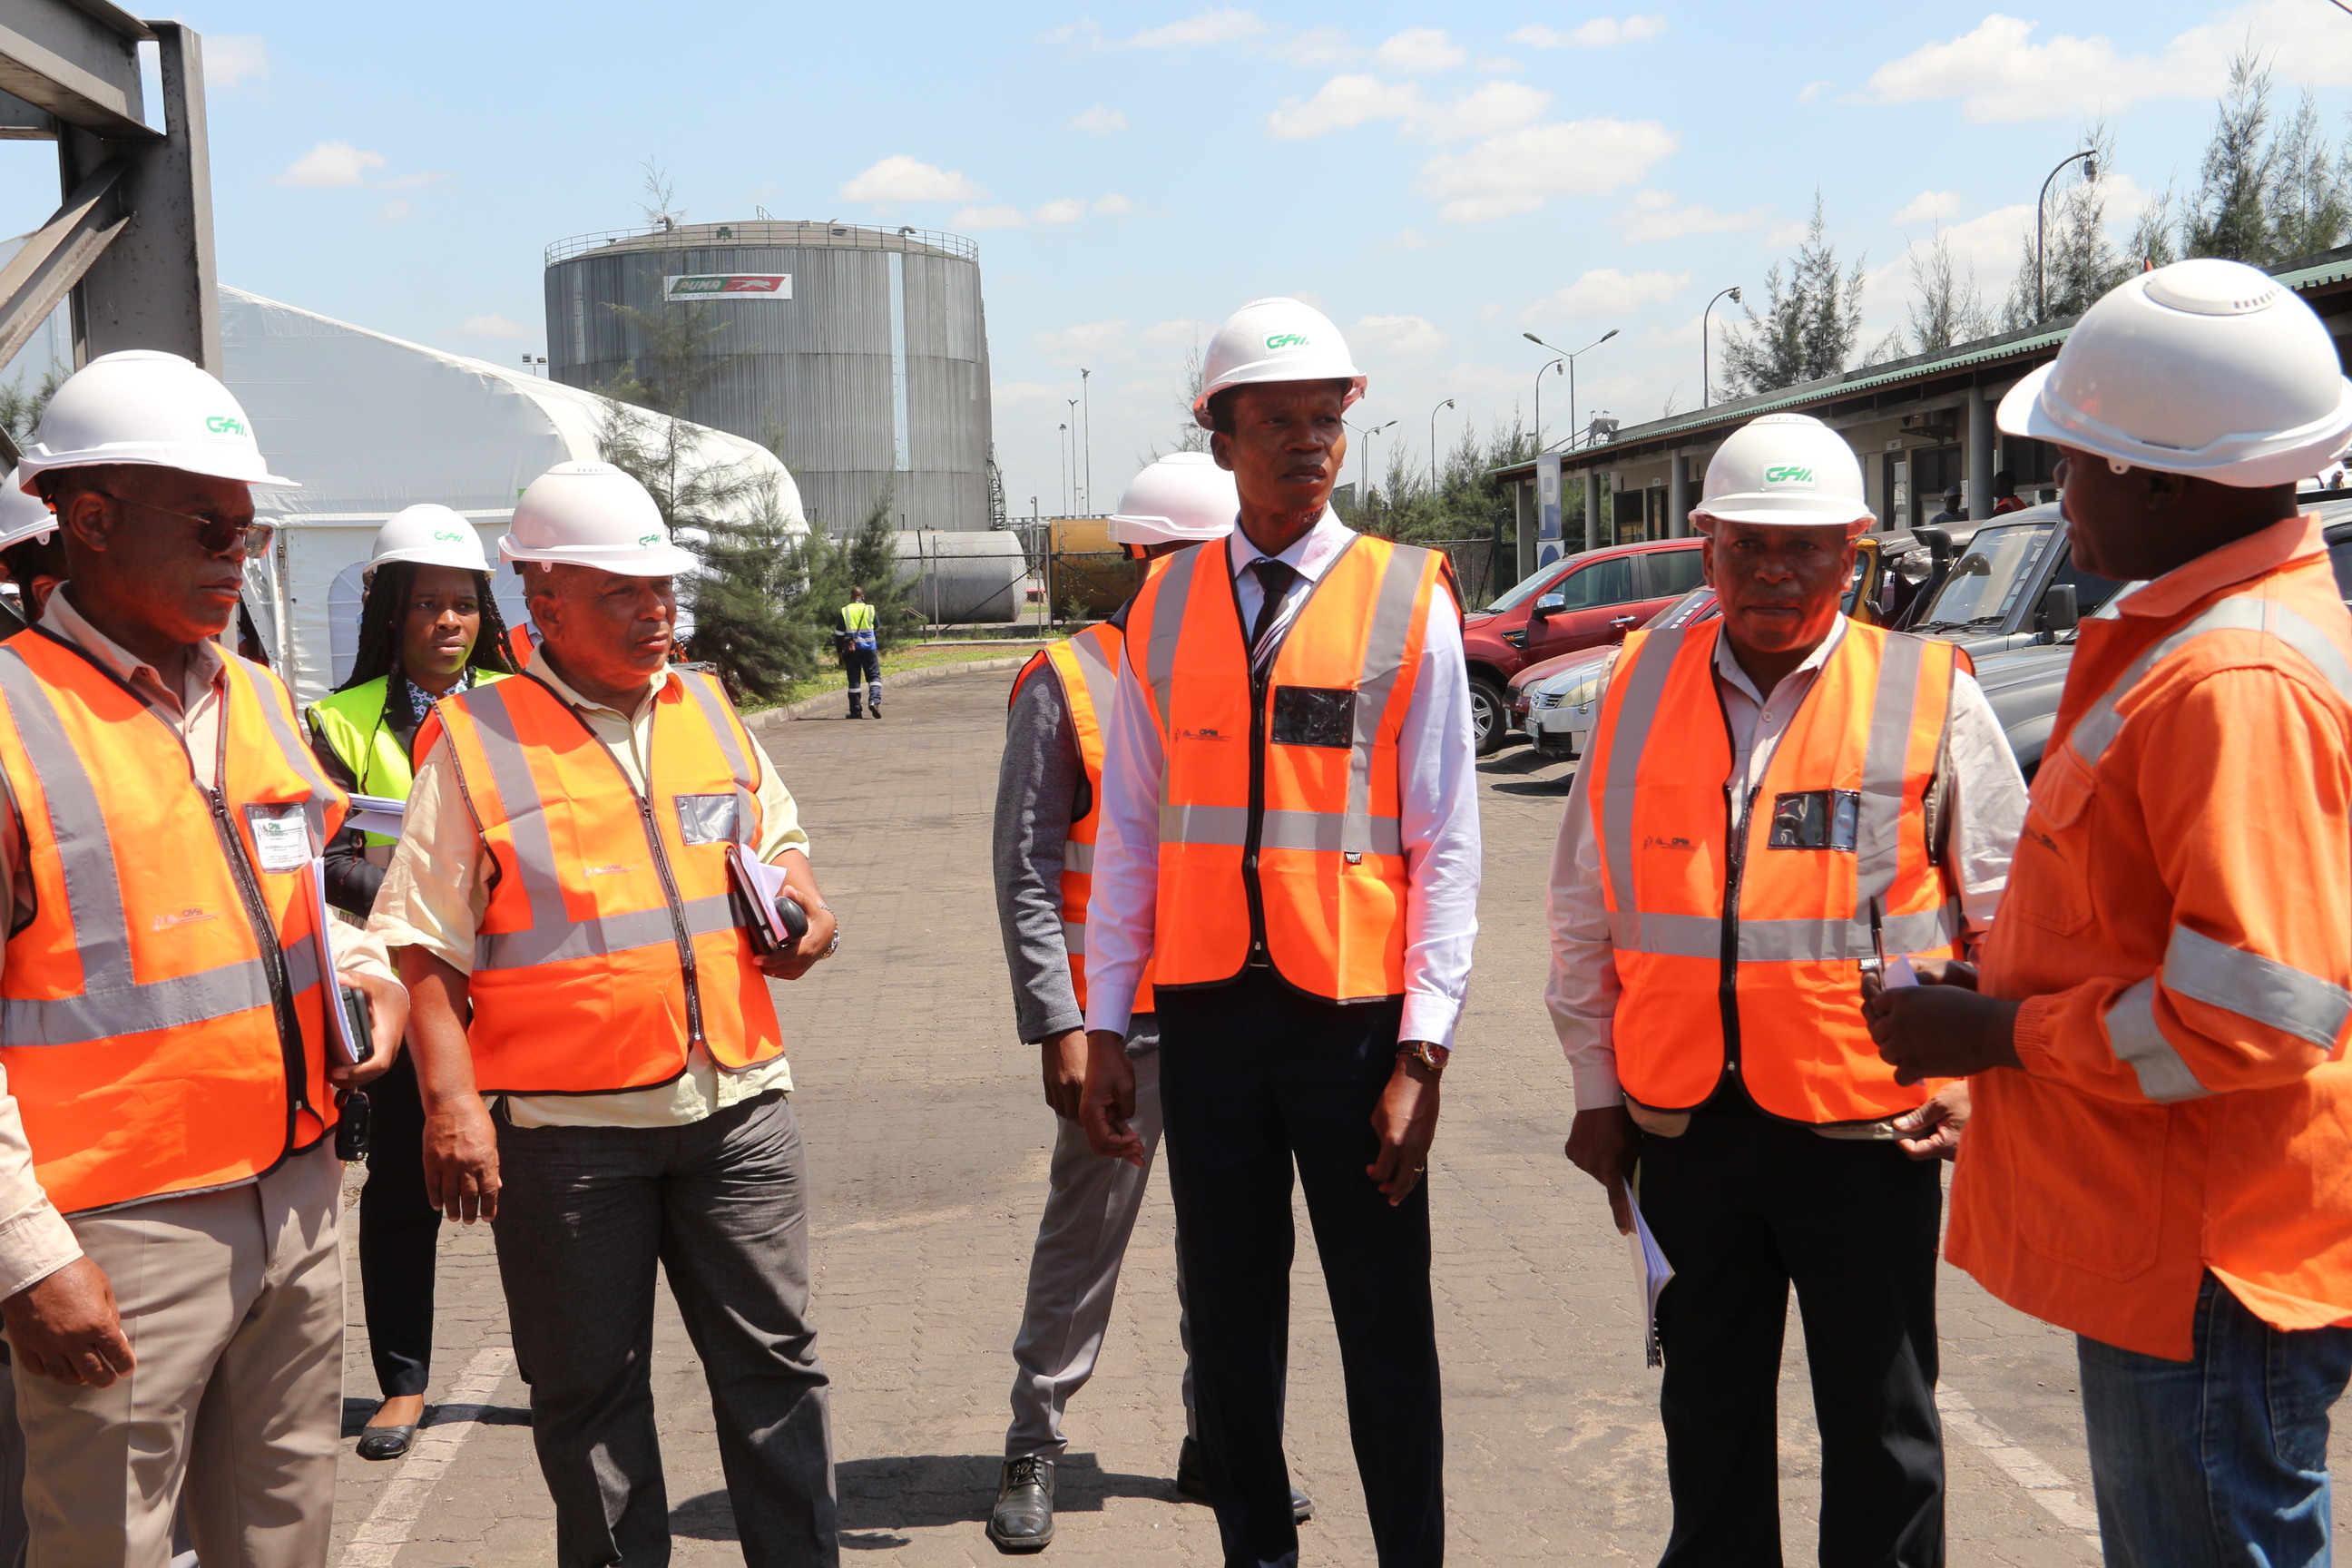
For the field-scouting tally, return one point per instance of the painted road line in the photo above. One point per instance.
(377, 1541)
(2041, 1480)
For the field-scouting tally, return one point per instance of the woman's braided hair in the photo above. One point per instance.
(383, 610)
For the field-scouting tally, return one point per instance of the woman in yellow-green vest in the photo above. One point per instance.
(428, 626)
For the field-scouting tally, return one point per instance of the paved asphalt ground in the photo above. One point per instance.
(928, 1144)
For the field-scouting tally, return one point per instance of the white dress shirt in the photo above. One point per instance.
(1438, 816)
(1984, 792)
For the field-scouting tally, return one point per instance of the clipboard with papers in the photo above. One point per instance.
(377, 814)
(347, 1037)
(1651, 1272)
(771, 915)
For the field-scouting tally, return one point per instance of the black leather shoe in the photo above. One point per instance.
(1193, 1482)
(385, 1442)
(1022, 1519)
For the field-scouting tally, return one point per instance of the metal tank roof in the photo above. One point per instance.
(795, 234)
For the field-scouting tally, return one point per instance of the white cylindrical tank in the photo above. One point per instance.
(960, 577)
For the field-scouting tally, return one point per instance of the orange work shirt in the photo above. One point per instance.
(2179, 926)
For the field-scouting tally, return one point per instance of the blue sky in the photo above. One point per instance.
(1438, 178)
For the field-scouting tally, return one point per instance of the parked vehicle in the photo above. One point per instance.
(2015, 586)
(1586, 601)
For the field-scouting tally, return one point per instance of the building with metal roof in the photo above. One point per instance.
(1920, 425)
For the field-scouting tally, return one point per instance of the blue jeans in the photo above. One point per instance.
(2221, 1459)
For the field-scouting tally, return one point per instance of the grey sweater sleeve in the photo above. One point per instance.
(1037, 789)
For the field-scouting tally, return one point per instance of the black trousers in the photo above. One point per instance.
(399, 1230)
(863, 665)
(1743, 1207)
(1256, 1079)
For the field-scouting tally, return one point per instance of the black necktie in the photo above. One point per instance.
(1273, 580)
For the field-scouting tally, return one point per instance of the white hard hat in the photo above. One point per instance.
(592, 514)
(431, 535)
(23, 516)
(144, 406)
(1182, 497)
(1275, 340)
(2204, 367)
(1787, 468)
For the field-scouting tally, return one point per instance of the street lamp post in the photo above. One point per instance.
(1432, 445)
(1062, 460)
(1705, 386)
(1085, 390)
(1547, 364)
(1073, 428)
(1570, 358)
(2089, 158)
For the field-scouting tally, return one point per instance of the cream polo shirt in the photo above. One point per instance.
(438, 885)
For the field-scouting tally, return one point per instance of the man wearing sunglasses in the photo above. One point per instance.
(169, 1189)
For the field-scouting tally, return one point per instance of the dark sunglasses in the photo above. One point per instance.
(216, 535)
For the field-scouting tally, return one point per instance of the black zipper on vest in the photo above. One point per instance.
(1256, 833)
(273, 958)
(1735, 866)
(685, 938)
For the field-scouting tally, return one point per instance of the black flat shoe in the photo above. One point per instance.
(1193, 1482)
(1022, 1519)
(385, 1442)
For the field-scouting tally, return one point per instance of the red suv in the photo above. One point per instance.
(1585, 601)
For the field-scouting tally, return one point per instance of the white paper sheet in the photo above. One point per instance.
(377, 814)
(339, 1030)
(1651, 1272)
(761, 885)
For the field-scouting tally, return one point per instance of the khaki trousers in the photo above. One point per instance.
(233, 1305)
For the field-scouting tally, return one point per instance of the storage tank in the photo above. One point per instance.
(964, 578)
(861, 353)
(1086, 569)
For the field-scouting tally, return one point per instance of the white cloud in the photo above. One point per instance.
(1600, 33)
(1813, 89)
(1522, 170)
(1345, 103)
(1114, 204)
(493, 326)
(1397, 337)
(987, 218)
(1089, 339)
(1069, 209)
(1404, 240)
(394, 211)
(1182, 331)
(1933, 206)
(234, 61)
(1418, 50)
(329, 165)
(1100, 121)
(1316, 47)
(901, 178)
(1652, 215)
(1605, 291)
(1999, 70)
(1225, 24)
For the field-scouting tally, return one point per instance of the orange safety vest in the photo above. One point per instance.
(1087, 667)
(611, 945)
(2102, 1212)
(1279, 836)
(161, 1018)
(1742, 955)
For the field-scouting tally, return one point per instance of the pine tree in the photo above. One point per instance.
(2228, 215)
(1947, 307)
(1190, 436)
(1809, 324)
(2267, 191)
(2077, 262)
(2310, 195)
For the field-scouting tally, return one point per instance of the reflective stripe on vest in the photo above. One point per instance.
(583, 980)
(1084, 668)
(1869, 734)
(352, 722)
(2249, 984)
(160, 1013)
(1280, 837)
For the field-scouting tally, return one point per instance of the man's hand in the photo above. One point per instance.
(1945, 1030)
(1935, 1128)
(1063, 1060)
(387, 1025)
(1603, 1143)
(461, 1161)
(1406, 1123)
(65, 1326)
(1106, 1104)
(805, 953)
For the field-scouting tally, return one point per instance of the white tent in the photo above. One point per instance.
(369, 424)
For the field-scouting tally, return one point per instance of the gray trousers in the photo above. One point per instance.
(584, 1213)
(1073, 1273)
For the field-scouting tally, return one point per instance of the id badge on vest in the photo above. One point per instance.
(281, 837)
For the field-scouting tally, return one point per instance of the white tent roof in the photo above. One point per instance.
(370, 424)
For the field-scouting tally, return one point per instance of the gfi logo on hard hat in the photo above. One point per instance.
(1287, 340)
(1787, 474)
(446, 537)
(649, 539)
(225, 424)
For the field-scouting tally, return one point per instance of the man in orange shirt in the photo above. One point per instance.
(2161, 1153)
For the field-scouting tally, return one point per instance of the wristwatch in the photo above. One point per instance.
(1434, 1058)
(835, 945)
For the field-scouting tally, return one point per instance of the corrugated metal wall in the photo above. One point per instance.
(815, 369)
